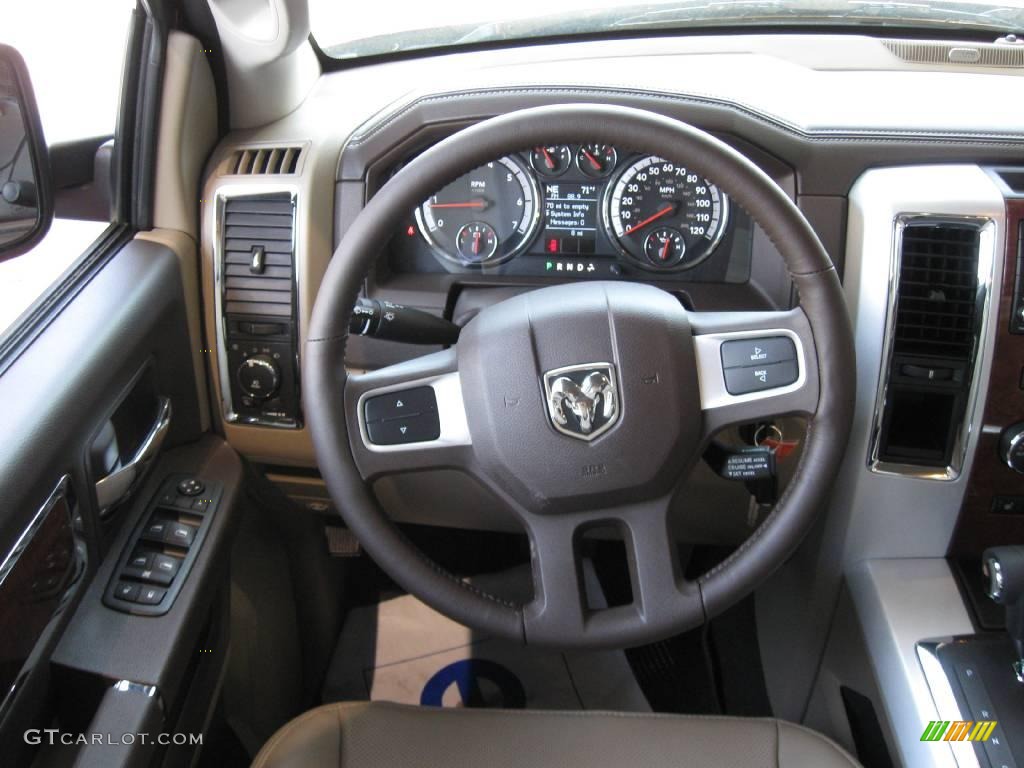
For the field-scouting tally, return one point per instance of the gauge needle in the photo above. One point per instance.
(549, 161)
(664, 249)
(474, 204)
(476, 243)
(666, 210)
(593, 160)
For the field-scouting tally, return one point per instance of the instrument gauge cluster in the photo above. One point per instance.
(585, 210)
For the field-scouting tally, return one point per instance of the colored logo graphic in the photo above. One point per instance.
(480, 683)
(958, 730)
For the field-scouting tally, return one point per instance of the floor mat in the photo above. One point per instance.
(401, 650)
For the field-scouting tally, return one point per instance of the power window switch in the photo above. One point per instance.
(127, 591)
(166, 567)
(151, 595)
(152, 575)
(141, 560)
(179, 534)
(156, 530)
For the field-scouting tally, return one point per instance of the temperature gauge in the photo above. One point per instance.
(596, 160)
(665, 247)
(477, 241)
(551, 160)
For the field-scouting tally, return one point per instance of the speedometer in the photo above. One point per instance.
(663, 216)
(484, 217)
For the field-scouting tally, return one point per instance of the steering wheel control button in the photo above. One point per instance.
(745, 353)
(401, 417)
(401, 404)
(757, 378)
(191, 487)
(418, 428)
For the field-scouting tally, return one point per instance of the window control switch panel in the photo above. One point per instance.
(162, 548)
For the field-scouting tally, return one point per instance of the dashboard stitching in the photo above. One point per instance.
(824, 135)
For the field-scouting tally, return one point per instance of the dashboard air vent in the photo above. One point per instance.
(937, 294)
(975, 54)
(258, 255)
(936, 330)
(265, 161)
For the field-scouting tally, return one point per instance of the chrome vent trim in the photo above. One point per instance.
(987, 244)
(222, 197)
(972, 54)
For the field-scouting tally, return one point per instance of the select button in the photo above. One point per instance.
(757, 378)
(743, 353)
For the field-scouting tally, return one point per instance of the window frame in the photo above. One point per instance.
(134, 164)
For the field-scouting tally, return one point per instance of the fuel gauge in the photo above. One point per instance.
(552, 160)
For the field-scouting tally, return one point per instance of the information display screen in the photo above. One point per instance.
(571, 212)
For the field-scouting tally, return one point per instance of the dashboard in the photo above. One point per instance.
(856, 131)
(577, 211)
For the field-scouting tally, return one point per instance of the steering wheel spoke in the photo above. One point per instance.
(409, 417)
(570, 606)
(754, 365)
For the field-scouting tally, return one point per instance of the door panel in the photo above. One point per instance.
(57, 397)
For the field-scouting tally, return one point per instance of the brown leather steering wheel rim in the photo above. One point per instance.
(821, 299)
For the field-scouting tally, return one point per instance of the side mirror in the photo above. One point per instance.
(26, 195)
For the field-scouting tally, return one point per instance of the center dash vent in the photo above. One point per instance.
(258, 255)
(933, 356)
(265, 161)
(938, 292)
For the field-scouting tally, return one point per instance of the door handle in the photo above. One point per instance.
(116, 486)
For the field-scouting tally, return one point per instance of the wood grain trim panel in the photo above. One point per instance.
(34, 577)
(977, 526)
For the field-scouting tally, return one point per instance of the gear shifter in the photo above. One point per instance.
(1004, 569)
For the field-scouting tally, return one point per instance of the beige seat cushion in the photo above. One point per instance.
(380, 735)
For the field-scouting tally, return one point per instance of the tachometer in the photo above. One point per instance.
(664, 216)
(485, 217)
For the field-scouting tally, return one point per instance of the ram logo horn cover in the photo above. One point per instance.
(582, 400)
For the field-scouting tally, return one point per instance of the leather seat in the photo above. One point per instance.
(379, 735)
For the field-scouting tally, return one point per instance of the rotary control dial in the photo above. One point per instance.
(259, 377)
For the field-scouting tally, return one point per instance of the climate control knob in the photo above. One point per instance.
(259, 377)
(1011, 447)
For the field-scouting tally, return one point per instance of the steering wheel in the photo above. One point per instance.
(660, 390)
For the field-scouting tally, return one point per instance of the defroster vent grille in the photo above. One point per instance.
(938, 288)
(258, 255)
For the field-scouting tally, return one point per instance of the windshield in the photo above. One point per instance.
(348, 30)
